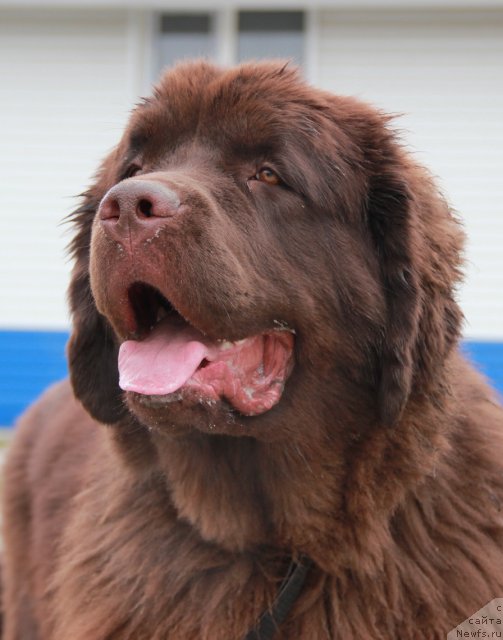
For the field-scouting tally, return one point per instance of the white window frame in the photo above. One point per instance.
(226, 36)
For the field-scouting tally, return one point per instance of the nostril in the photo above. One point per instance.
(145, 208)
(110, 210)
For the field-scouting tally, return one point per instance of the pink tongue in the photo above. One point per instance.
(164, 361)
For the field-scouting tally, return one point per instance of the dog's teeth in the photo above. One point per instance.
(161, 313)
(281, 325)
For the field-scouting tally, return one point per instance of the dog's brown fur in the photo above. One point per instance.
(383, 459)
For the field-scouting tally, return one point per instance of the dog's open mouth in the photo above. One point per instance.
(173, 357)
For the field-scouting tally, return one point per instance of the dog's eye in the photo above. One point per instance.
(130, 171)
(267, 175)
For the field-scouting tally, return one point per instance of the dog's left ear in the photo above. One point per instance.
(399, 203)
(390, 211)
(419, 244)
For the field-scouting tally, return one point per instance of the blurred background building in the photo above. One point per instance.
(71, 70)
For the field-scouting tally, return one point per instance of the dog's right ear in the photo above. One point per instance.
(92, 350)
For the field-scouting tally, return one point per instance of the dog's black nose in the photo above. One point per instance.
(137, 208)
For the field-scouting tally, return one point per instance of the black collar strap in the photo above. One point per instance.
(289, 591)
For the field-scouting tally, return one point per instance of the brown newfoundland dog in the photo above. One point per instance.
(270, 431)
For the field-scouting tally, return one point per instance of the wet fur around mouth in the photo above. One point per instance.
(243, 203)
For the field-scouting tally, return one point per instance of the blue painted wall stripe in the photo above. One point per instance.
(32, 360)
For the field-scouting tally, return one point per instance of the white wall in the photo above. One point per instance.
(67, 84)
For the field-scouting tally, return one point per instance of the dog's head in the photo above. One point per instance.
(257, 255)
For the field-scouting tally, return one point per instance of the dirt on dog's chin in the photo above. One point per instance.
(185, 411)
